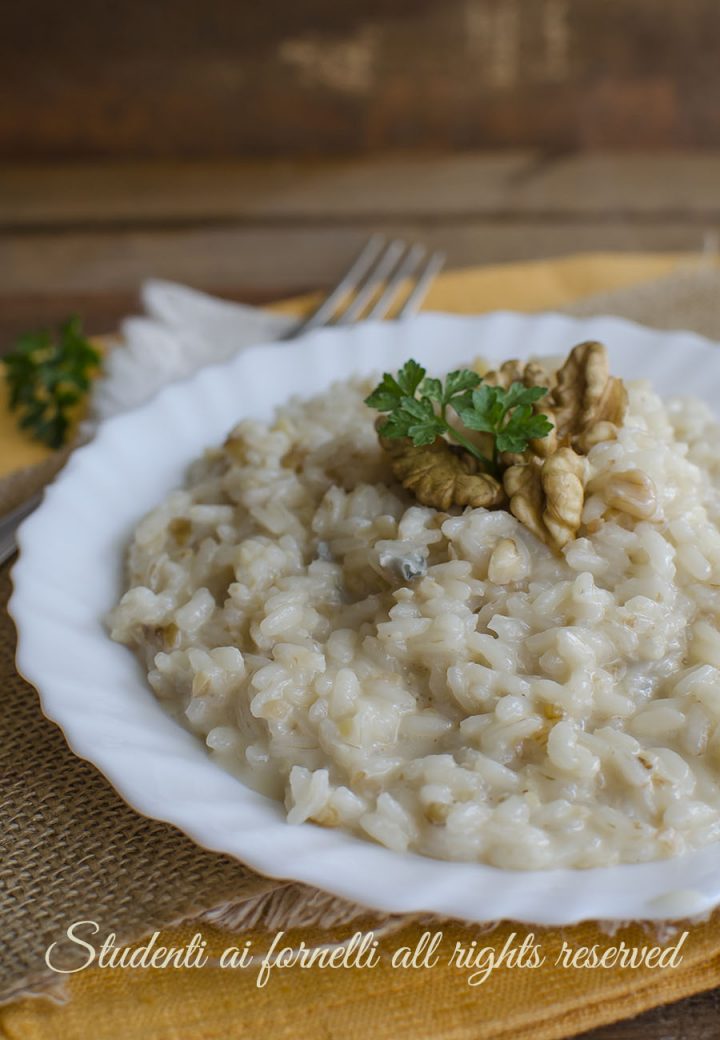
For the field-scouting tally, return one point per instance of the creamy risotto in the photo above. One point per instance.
(444, 682)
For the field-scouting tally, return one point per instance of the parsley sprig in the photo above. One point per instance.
(417, 407)
(47, 377)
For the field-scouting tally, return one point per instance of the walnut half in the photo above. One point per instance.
(586, 404)
(440, 475)
(547, 495)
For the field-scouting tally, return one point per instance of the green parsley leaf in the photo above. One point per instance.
(518, 394)
(415, 419)
(46, 377)
(478, 410)
(523, 426)
(433, 389)
(417, 408)
(421, 409)
(398, 425)
(410, 377)
(425, 433)
(386, 395)
(457, 382)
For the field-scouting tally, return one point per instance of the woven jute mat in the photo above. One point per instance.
(73, 850)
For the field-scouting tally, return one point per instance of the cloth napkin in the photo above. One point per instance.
(86, 846)
(181, 331)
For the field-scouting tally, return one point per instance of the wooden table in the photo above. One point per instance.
(82, 238)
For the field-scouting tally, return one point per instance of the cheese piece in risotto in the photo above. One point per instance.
(450, 683)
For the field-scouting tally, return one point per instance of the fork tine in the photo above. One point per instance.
(374, 279)
(433, 264)
(349, 281)
(404, 270)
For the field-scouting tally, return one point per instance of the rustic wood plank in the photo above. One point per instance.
(693, 1019)
(83, 238)
(280, 190)
(497, 186)
(317, 76)
(684, 186)
(285, 260)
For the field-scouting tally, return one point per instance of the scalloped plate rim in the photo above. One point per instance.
(439, 886)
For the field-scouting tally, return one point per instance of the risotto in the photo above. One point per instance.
(443, 681)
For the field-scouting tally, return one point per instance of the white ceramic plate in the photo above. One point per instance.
(69, 574)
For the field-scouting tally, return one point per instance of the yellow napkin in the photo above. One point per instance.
(387, 1003)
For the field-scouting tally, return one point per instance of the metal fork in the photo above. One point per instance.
(374, 282)
(370, 287)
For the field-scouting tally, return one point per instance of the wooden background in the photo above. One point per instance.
(83, 237)
(218, 78)
(250, 146)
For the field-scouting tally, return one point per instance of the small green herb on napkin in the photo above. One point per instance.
(47, 377)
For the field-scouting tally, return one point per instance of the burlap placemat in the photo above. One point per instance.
(73, 850)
